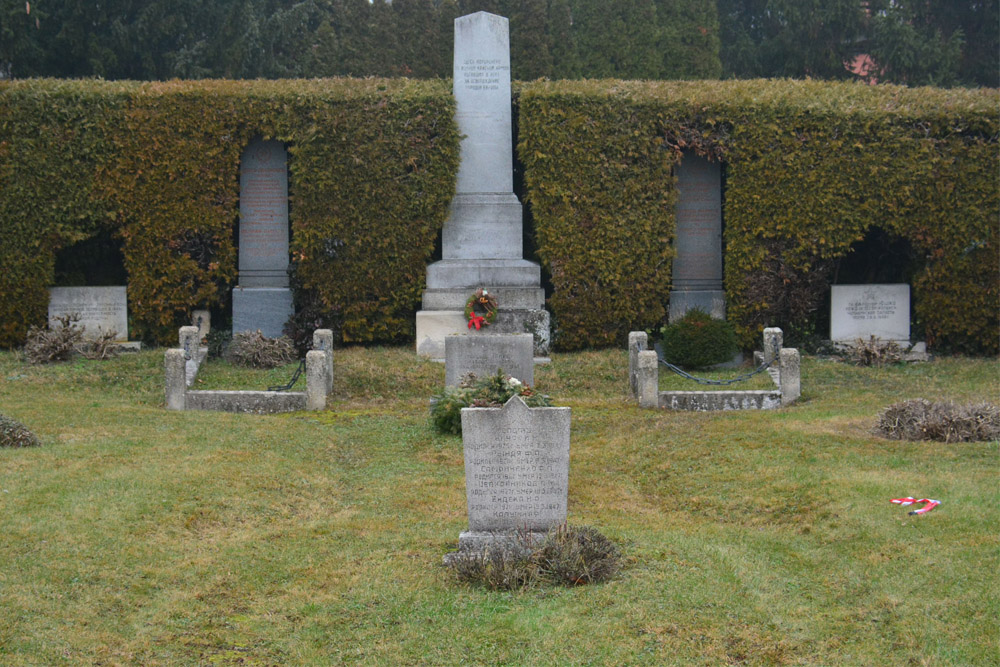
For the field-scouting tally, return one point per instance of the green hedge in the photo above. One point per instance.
(372, 164)
(810, 166)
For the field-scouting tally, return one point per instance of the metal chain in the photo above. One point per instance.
(295, 378)
(740, 378)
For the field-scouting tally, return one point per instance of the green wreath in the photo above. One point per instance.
(481, 308)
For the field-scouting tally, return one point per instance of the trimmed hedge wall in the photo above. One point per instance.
(810, 166)
(372, 170)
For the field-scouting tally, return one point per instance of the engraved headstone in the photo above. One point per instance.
(101, 309)
(484, 354)
(516, 472)
(263, 300)
(482, 238)
(862, 311)
(697, 267)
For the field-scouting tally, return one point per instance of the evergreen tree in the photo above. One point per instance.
(530, 56)
(21, 50)
(417, 31)
(689, 39)
(620, 40)
(565, 61)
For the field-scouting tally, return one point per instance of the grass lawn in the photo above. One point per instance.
(141, 536)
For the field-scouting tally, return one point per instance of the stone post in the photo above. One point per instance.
(189, 342)
(203, 320)
(647, 380)
(789, 379)
(174, 379)
(323, 341)
(773, 338)
(637, 342)
(316, 375)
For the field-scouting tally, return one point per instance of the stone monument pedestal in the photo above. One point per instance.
(264, 308)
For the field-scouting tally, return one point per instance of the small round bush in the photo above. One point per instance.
(255, 350)
(697, 340)
(15, 434)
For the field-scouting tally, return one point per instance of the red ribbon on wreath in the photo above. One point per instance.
(476, 320)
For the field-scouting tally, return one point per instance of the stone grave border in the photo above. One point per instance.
(644, 366)
(181, 367)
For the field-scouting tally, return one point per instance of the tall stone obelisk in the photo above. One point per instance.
(482, 238)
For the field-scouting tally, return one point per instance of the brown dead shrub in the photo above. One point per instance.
(920, 419)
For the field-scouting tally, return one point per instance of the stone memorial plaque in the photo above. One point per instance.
(516, 466)
(263, 300)
(263, 239)
(698, 242)
(483, 354)
(697, 266)
(862, 311)
(100, 309)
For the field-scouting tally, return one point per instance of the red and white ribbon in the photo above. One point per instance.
(929, 504)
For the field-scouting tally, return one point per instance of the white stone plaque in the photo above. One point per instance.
(101, 309)
(862, 311)
(516, 466)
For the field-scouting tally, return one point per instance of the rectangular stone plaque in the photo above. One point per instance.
(516, 466)
(698, 240)
(483, 354)
(263, 239)
(100, 309)
(862, 311)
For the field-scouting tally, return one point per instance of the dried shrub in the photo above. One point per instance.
(101, 349)
(568, 556)
(253, 349)
(874, 352)
(53, 344)
(580, 555)
(920, 419)
(498, 569)
(15, 434)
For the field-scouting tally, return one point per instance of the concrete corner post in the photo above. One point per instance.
(189, 342)
(647, 379)
(316, 375)
(637, 342)
(323, 341)
(773, 340)
(175, 379)
(790, 380)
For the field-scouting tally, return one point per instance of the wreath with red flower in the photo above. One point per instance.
(481, 309)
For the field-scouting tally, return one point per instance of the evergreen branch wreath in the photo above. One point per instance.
(481, 309)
